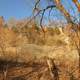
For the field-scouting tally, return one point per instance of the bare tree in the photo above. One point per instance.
(74, 29)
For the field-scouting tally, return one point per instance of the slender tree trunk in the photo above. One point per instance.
(79, 62)
(5, 71)
(54, 71)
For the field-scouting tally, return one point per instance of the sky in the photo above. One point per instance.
(20, 9)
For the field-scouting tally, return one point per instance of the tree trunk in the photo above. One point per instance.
(79, 62)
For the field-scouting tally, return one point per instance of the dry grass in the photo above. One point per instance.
(27, 55)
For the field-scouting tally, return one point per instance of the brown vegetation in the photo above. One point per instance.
(26, 55)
